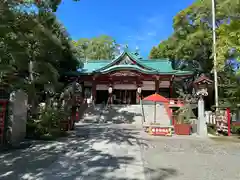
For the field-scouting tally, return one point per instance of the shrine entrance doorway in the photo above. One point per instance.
(124, 96)
(102, 96)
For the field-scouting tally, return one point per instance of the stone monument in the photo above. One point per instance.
(17, 119)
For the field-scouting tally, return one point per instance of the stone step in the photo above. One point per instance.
(130, 114)
(92, 114)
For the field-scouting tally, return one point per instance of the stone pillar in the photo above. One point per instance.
(201, 122)
(157, 84)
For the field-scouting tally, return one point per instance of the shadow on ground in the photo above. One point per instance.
(110, 134)
(160, 173)
(71, 158)
(117, 114)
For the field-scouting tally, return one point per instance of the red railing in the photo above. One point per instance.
(176, 101)
(3, 108)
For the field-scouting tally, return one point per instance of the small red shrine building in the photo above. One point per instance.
(128, 76)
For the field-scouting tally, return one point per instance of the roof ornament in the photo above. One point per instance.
(137, 51)
(126, 47)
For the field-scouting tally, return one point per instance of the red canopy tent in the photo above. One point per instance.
(156, 98)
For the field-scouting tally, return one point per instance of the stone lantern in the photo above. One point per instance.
(201, 85)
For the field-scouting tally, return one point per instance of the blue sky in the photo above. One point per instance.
(138, 23)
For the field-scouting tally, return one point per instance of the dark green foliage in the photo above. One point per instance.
(192, 37)
(34, 36)
(47, 125)
(190, 46)
(184, 114)
(98, 48)
(235, 130)
(211, 128)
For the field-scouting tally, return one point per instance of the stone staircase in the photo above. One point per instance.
(127, 114)
(119, 114)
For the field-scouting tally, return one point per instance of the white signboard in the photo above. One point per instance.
(102, 87)
(125, 86)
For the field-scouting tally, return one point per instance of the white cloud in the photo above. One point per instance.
(152, 33)
(146, 35)
(155, 20)
(148, 30)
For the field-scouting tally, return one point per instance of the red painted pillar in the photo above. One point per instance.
(171, 87)
(157, 85)
(229, 121)
(94, 91)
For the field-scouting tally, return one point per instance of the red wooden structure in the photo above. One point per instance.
(3, 110)
(223, 121)
(229, 121)
(125, 75)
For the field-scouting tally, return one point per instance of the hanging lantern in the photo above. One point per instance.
(139, 90)
(110, 89)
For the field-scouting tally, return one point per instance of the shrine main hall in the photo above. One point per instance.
(127, 78)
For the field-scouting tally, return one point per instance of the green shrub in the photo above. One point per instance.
(47, 125)
(235, 129)
(211, 128)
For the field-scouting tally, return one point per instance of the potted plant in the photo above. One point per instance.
(183, 123)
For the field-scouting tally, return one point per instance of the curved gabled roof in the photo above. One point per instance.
(128, 67)
(121, 56)
(134, 62)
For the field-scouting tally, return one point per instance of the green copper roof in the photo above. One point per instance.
(147, 66)
(128, 67)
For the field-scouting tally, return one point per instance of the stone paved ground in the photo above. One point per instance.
(121, 152)
(191, 158)
(93, 152)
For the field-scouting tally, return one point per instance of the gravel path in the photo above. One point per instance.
(191, 158)
(122, 152)
(93, 152)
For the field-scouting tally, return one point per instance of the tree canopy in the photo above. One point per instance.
(34, 36)
(101, 47)
(51, 5)
(190, 45)
(192, 37)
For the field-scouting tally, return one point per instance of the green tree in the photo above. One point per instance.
(35, 37)
(192, 37)
(190, 45)
(46, 4)
(102, 47)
